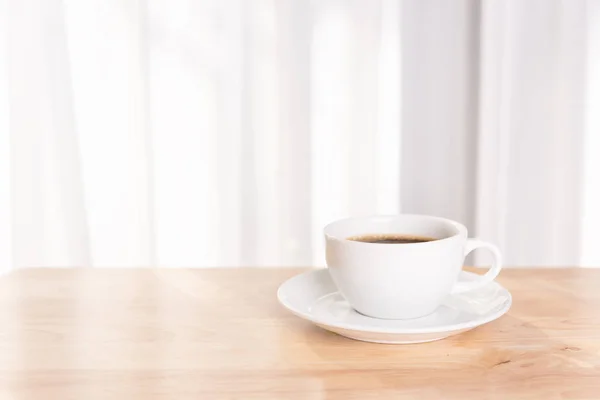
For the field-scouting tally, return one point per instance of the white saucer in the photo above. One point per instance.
(313, 296)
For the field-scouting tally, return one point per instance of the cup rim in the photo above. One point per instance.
(460, 228)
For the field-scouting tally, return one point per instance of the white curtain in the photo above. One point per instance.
(228, 132)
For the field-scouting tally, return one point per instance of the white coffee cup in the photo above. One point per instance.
(402, 281)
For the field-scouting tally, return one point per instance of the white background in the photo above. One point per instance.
(222, 133)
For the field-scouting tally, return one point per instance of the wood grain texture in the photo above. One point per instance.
(220, 334)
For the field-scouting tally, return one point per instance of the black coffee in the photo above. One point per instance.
(391, 238)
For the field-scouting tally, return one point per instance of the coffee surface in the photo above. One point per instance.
(391, 238)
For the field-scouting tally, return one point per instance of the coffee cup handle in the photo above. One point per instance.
(489, 276)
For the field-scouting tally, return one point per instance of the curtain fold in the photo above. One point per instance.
(47, 208)
(531, 133)
(224, 133)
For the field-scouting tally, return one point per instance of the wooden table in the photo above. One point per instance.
(220, 334)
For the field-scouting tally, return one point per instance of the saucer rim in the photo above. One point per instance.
(366, 328)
